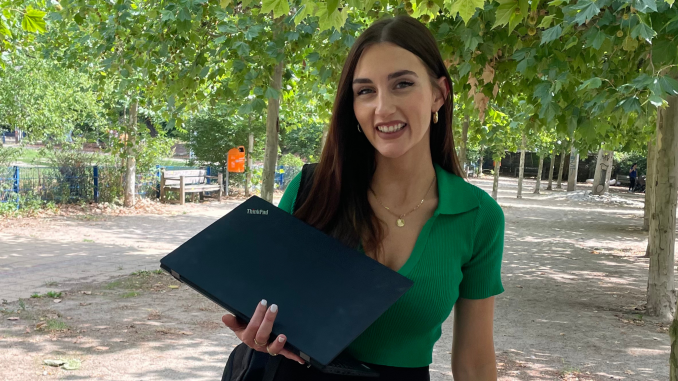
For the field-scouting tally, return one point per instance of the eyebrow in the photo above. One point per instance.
(390, 76)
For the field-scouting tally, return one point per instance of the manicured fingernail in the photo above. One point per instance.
(264, 302)
(274, 308)
(281, 339)
(302, 363)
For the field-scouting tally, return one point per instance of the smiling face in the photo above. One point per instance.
(394, 99)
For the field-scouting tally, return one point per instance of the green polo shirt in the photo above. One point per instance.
(457, 254)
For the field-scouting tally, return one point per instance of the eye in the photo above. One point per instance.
(364, 91)
(404, 84)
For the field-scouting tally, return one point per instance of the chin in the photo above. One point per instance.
(392, 152)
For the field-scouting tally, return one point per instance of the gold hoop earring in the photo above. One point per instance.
(435, 117)
(359, 130)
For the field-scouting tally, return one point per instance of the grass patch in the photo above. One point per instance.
(51, 284)
(56, 325)
(35, 295)
(53, 294)
(114, 284)
(143, 273)
(130, 294)
(88, 240)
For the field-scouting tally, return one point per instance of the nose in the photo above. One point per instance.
(385, 104)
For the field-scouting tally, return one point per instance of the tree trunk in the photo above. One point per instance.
(131, 167)
(661, 299)
(522, 167)
(649, 183)
(482, 161)
(560, 170)
(601, 179)
(537, 187)
(462, 145)
(271, 154)
(574, 168)
(323, 140)
(248, 177)
(495, 184)
(551, 167)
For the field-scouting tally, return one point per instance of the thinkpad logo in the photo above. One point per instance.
(257, 211)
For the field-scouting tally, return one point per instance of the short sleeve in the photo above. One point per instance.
(482, 273)
(290, 196)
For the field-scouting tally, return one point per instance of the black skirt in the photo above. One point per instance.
(293, 371)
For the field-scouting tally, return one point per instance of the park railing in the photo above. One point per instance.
(68, 184)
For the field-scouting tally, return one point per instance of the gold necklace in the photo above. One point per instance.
(400, 221)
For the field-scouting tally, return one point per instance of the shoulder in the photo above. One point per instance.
(290, 196)
(456, 196)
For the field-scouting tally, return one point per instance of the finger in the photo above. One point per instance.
(233, 323)
(277, 347)
(264, 332)
(252, 328)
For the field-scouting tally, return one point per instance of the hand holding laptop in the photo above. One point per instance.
(258, 331)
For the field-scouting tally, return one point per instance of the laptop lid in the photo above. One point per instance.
(328, 293)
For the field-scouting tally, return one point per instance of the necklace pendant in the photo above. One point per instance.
(400, 222)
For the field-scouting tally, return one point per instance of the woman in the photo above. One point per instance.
(389, 182)
(633, 174)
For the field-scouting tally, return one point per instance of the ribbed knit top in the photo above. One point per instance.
(458, 254)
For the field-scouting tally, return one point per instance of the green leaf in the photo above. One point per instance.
(33, 21)
(664, 52)
(279, 7)
(669, 2)
(535, 5)
(524, 7)
(546, 21)
(656, 101)
(587, 10)
(242, 48)
(599, 40)
(271, 93)
(645, 5)
(203, 73)
(592, 83)
(504, 13)
(515, 20)
(643, 30)
(464, 69)
(551, 34)
(466, 8)
(335, 19)
(571, 42)
(332, 5)
(669, 85)
(631, 104)
(238, 66)
(224, 3)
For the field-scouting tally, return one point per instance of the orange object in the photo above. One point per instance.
(236, 160)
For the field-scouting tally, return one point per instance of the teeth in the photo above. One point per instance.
(391, 129)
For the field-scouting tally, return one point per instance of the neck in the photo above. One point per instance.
(403, 181)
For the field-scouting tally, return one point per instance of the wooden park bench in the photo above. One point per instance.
(189, 181)
(623, 180)
(528, 172)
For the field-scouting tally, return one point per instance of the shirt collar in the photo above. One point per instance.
(455, 195)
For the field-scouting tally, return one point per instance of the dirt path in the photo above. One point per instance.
(573, 307)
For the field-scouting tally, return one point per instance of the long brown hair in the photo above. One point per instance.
(337, 202)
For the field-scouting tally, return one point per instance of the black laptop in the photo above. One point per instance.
(328, 293)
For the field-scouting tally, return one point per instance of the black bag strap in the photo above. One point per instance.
(305, 186)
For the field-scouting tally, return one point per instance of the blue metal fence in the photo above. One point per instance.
(74, 184)
(92, 183)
